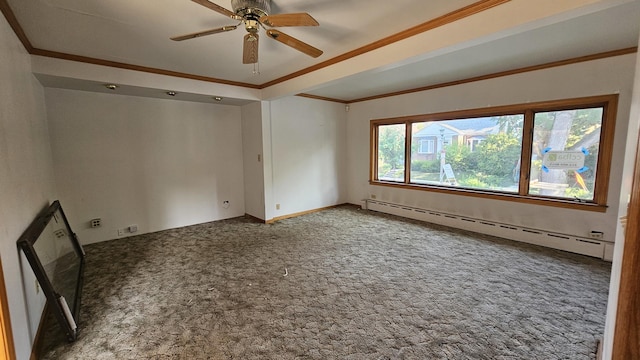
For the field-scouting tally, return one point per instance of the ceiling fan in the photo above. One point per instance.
(255, 15)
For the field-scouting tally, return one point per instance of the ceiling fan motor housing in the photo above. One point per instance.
(251, 9)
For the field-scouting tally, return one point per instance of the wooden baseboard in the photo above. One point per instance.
(302, 213)
(599, 350)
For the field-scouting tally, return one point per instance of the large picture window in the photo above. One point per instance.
(555, 153)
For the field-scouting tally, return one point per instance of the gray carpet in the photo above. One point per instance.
(358, 285)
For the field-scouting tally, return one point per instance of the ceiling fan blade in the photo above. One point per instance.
(216, 8)
(250, 49)
(294, 43)
(204, 33)
(294, 19)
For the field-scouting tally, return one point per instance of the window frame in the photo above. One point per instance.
(609, 104)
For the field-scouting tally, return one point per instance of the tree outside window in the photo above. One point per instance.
(391, 145)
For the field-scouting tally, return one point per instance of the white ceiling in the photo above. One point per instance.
(137, 33)
(613, 29)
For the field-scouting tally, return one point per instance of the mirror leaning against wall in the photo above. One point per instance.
(57, 260)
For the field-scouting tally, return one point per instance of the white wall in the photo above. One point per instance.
(626, 188)
(253, 160)
(156, 163)
(26, 180)
(606, 76)
(308, 155)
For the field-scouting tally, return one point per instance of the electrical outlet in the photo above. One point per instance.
(598, 235)
(277, 206)
(226, 204)
(95, 223)
(120, 232)
(373, 196)
(133, 228)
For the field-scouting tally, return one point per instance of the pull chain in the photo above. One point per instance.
(256, 68)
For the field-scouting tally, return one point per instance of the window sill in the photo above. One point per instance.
(545, 201)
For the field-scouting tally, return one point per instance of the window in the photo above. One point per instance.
(390, 152)
(427, 147)
(565, 148)
(553, 153)
(473, 143)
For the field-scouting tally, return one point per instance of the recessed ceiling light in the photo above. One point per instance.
(171, 93)
(217, 98)
(111, 86)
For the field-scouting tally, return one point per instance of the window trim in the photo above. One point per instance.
(609, 103)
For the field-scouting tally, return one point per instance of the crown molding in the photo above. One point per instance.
(448, 18)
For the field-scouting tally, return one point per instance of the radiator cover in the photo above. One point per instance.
(566, 242)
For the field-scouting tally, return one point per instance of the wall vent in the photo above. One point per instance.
(532, 231)
(508, 227)
(566, 242)
(559, 236)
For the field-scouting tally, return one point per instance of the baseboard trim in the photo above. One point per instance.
(302, 213)
(36, 349)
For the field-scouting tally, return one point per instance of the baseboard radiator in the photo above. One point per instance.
(571, 243)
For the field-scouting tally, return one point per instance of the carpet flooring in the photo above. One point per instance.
(338, 284)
